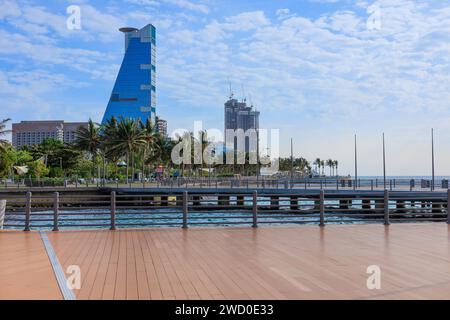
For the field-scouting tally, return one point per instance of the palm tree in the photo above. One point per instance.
(322, 164)
(150, 136)
(336, 163)
(318, 164)
(330, 164)
(3, 131)
(127, 139)
(89, 139)
(187, 137)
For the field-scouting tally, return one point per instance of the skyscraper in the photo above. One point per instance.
(161, 126)
(240, 116)
(134, 92)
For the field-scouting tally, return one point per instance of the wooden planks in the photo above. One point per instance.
(304, 262)
(25, 270)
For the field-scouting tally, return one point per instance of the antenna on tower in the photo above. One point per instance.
(229, 85)
(244, 98)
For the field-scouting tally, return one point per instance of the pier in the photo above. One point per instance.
(233, 263)
(136, 243)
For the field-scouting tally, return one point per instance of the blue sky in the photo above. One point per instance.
(316, 69)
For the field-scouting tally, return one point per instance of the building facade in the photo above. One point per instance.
(161, 126)
(134, 92)
(29, 133)
(240, 116)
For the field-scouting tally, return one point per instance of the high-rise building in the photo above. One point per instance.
(161, 126)
(28, 133)
(240, 116)
(134, 92)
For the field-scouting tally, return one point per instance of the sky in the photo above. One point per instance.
(320, 71)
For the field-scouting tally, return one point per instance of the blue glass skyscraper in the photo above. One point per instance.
(134, 92)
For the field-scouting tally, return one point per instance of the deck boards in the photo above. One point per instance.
(25, 270)
(300, 262)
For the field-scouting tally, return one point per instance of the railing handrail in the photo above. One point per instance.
(187, 208)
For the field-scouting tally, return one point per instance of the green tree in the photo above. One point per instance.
(4, 143)
(330, 164)
(88, 139)
(150, 136)
(7, 159)
(336, 164)
(38, 169)
(318, 164)
(127, 140)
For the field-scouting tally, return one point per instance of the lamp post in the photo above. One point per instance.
(384, 164)
(292, 160)
(356, 165)
(432, 159)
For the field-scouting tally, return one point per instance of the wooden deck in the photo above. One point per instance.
(304, 262)
(25, 271)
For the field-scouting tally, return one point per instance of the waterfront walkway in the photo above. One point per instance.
(302, 262)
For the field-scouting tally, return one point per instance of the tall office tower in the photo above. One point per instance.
(28, 133)
(161, 126)
(134, 92)
(240, 116)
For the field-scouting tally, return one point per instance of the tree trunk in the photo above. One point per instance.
(132, 167)
(128, 158)
(143, 166)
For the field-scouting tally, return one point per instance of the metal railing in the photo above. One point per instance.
(186, 209)
(241, 183)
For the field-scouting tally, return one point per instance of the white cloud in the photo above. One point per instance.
(190, 5)
(9, 9)
(284, 14)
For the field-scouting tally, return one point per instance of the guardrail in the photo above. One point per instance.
(245, 182)
(185, 209)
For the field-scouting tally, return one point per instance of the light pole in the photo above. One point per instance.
(292, 160)
(432, 159)
(356, 165)
(384, 164)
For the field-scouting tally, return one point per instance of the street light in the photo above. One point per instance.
(384, 164)
(432, 159)
(356, 165)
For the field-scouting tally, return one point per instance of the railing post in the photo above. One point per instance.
(322, 208)
(255, 209)
(55, 211)
(113, 210)
(448, 206)
(27, 211)
(386, 208)
(185, 209)
(2, 213)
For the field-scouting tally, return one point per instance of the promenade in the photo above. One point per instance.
(295, 262)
